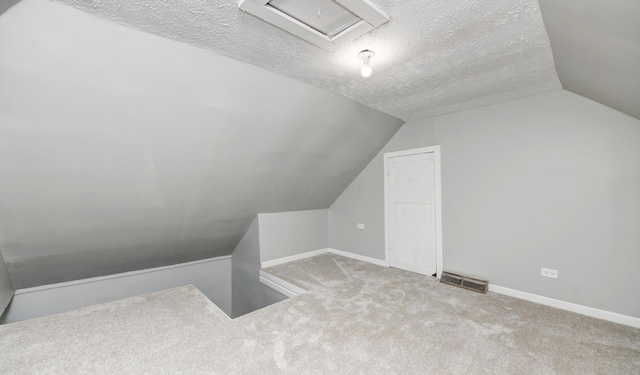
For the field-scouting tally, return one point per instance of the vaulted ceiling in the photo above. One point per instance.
(125, 143)
(432, 57)
(596, 47)
(595, 44)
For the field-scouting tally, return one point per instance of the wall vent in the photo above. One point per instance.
(466, 282)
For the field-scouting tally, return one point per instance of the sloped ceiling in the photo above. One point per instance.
(596, 46)
(121, 150)
(6, 4)
(432, 57)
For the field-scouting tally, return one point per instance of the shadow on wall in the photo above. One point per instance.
(143, 152)
(231, 282)
(6, 286)
(6, 4)
(273, 236)
(211, 276)
(247, 292)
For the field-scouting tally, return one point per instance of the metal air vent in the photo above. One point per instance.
(466, 282)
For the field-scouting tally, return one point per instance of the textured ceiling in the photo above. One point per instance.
(431, 57)
(596, 46)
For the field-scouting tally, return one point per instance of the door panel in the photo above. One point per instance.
(412, 213)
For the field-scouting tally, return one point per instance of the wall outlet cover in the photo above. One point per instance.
(548, 272)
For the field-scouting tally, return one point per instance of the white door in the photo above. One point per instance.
(411, 211)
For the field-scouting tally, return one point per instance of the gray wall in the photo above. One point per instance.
(546, 181)
(121, 150)
(596, 49)
(6, 286)
(211, 276)
(248, 293)
(285, 234)
(6, 4)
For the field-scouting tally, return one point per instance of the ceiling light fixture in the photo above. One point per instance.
(366, 56)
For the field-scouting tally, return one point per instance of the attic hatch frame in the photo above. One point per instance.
(370, 18)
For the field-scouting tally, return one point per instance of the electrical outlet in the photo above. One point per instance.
(360, 226)
(548, 272)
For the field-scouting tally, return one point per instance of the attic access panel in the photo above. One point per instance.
(324, 23)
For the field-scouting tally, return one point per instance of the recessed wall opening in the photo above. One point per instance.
(325, 16)
(324, 23)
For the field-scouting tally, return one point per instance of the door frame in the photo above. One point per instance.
(438, 201)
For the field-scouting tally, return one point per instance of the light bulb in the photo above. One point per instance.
(366, 70)
(366, 56)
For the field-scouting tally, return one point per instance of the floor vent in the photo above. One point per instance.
(471, 283)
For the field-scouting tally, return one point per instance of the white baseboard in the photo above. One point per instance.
(309, 254)
(568, 306)
(563, 305)
(291, 290)
(280, 285)
(117, 275)
(212, 276)
(362, 258)
(292, 258)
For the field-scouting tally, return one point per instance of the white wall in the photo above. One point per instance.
(211, 276)
(249, 293)
(550, 181)
(284, 234)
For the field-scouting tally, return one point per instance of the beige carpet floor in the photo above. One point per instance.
(356, 319)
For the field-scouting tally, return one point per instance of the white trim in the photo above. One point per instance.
(365, 10)
(292, 258)
(362, 258)
(387, 248)
(280, 285)
(370, 15)
(291, 290)
(438, 204)
(309, 254)
(115, 276)
(568, 306)
(211, 276)
(438, 188)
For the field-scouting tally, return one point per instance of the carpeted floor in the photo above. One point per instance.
(356, 318)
